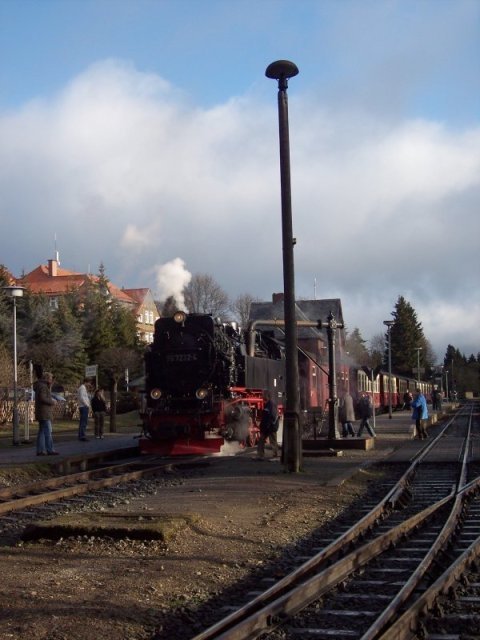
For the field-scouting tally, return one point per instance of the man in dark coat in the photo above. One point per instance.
(268, 427)
(365, 410)
(44, 414)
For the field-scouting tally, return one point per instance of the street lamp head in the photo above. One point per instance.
(281, 70)
(14, 291)
(389, 323)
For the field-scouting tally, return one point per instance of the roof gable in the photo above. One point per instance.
(310, 310)
(41, 281)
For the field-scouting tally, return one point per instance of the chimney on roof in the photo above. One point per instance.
(52, 268)
(277, 297)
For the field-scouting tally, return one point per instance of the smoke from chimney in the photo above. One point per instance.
(171, 278)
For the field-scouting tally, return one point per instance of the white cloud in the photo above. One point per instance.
(136, 239)
(125, 171)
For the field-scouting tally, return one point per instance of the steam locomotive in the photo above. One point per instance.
(202, 389)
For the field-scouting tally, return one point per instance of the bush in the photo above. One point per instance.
(126, 401)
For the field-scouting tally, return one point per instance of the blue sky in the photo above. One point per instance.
(216, 49)
(146, 132)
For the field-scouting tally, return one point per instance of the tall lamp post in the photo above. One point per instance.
(389, 324)
(15, 292)
(282, 70)
(418, 349)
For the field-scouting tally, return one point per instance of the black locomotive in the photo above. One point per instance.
(202, 388)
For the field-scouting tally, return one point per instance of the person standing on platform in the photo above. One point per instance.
(365, 411)
(420, 414)
(347, 415)
(268, 427)
(99, 408)
(44, 414)
(84, 409)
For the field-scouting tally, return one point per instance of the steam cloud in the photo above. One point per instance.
(171, 278)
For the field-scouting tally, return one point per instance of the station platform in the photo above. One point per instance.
(394, 441)
(68, 446)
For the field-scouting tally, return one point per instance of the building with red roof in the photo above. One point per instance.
(53, 281)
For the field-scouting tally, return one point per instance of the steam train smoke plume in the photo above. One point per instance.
(171, 278)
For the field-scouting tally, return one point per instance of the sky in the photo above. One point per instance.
(143, 134)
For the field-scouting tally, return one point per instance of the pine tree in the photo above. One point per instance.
(125, 323)
(98, 331)
(355, 346)
(461, 374)
(406, 337)
(70, 348)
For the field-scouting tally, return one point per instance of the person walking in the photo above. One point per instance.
(44, 404)
(99, 408)
(268, 427)
(365, 411)
(347, 415)
(407, 400)
(84, 406)
(420, 414)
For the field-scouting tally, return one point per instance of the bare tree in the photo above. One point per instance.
(377, 350)
(241, 308)
(204, 295)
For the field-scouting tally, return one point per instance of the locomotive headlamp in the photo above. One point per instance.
(180, 317)
(155, 394)
(201, 393)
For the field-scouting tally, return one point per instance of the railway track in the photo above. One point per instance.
(21, 505)
(380, 577)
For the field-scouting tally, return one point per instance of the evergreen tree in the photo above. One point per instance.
(95, 311)
(51, 337)
(36, 321)
(406, 336)
(355, 346)
(461, 374)
(125, 324)
(70, 348)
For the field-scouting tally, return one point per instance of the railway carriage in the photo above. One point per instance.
(386, 387)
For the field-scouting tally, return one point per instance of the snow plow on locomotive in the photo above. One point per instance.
(202, 389)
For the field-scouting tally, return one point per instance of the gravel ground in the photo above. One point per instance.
(85, 588)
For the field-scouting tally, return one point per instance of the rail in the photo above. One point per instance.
(327, 569)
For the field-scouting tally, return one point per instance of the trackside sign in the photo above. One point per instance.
(91, 371)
